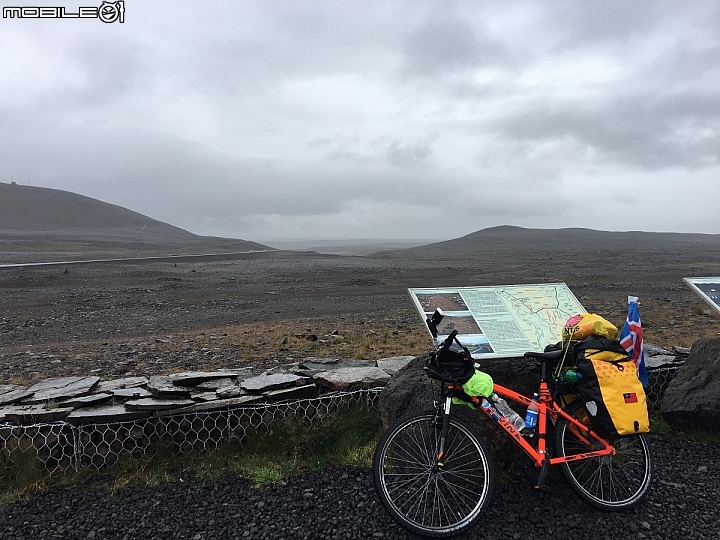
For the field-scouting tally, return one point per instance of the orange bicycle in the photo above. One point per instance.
(434, 475)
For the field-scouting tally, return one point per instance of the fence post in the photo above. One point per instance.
(76, 445)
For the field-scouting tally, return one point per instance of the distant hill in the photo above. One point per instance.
(521, 240)
(46, 224)
(36, 208)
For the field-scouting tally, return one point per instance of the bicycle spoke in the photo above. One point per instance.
(426, 495)
(461, 491)
(612, 481)
(420, 441)
(439, 503)
(422, 499)
(457, 502)
(406, 486)
(409, 457)
(628, 471)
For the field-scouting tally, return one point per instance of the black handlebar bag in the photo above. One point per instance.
(610, 388)
(450, 367)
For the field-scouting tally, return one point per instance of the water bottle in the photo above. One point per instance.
(571, 376)
(531, 417)
(513, 417)
(485, 404)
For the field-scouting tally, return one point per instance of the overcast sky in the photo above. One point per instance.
(268, 120)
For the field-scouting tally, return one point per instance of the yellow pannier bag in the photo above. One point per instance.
(610, 388)
(588, 324)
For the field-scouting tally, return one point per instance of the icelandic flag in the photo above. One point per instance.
(631, 338)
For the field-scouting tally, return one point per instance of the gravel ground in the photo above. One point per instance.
(340, 503)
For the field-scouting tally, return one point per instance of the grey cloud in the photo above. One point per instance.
(382, 149)
(683, 63)
(348, 149)
(163, 175)
(408, 156)
(349, 156)
(594, 23)
(635, 130)
(252, 48)
(320, 141)
(704, 106)
(447, 44)
(110, 67)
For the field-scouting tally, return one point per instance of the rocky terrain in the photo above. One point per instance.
(145, 318)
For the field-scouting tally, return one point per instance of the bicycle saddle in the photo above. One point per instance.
(553, 355)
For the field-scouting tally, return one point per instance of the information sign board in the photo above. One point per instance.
(500, 322)
(708, 288)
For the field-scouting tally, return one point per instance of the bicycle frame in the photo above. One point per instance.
(548, 408)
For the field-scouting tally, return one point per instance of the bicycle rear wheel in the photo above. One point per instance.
(419, 495)
(613, 482)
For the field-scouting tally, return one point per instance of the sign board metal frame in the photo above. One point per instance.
(500, 321)
(708, 288)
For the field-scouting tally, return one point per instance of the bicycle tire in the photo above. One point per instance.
(432, 501)
(614, 482)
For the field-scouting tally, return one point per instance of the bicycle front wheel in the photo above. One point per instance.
(421, 496)
(613, 482)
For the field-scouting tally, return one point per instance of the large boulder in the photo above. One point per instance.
(410, 390)
(692, 399)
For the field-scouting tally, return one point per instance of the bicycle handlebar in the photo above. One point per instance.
(432, 323)
(434, 320)
(449, 340)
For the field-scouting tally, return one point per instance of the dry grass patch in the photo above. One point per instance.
(300, 338)
(347, 436)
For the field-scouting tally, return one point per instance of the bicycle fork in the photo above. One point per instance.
(440, 456)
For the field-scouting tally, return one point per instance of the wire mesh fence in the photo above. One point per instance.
(63, 447)
(658, 381)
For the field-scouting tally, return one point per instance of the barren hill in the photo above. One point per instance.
(42, 224)
(520, 241)
(36, 208)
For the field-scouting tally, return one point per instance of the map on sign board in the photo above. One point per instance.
(708, 288)
(500, 322)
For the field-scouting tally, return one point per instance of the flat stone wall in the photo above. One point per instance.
(89, 400)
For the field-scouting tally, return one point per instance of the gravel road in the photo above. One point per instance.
(340, 503)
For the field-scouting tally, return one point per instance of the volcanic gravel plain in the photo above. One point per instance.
(263, 309)
(156, 317)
